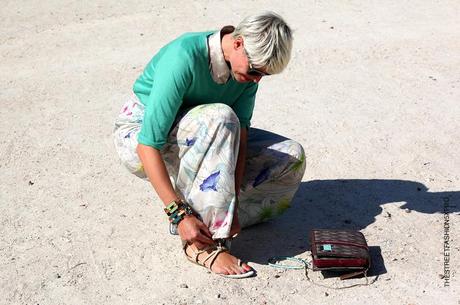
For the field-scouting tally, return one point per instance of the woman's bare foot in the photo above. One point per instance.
(225, 263)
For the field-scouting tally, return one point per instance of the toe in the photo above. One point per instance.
(237, 270)
(246, 267)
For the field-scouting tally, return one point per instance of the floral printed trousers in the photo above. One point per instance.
(200, 156)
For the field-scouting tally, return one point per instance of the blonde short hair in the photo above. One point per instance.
(267, 40)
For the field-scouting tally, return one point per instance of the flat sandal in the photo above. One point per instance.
(216, 250)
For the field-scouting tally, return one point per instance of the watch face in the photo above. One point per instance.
(173, 229)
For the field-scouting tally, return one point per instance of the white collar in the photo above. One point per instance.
(217, 65)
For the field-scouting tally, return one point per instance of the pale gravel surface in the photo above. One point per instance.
(372, 92)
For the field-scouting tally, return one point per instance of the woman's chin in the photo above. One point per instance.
(241, 78)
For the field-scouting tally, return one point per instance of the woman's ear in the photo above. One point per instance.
(238, 43)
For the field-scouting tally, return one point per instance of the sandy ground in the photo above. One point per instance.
(372, 92)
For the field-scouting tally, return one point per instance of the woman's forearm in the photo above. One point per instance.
(157, 173)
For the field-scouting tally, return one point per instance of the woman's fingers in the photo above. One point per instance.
(205, 230)
(194, 230)
(204, 239)
(200, 245)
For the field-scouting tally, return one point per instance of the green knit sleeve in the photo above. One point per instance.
(171, 79)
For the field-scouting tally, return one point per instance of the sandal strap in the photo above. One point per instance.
(205, 250)
(216, 250)
(196, 253)
(212, 256)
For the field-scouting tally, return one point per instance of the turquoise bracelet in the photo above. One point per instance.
(303, 264)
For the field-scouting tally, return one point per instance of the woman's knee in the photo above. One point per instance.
(298, 153)
(294, 156)
(218, 112)
(296, 150)
(291, 148)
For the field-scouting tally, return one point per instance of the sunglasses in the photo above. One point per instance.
(254, 71)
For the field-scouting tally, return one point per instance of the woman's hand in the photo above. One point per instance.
(193, 230)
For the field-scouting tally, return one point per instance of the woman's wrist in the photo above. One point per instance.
(177, 210)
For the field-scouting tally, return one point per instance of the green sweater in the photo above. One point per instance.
(178, 77)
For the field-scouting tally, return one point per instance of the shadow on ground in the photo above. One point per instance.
(347, 204)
